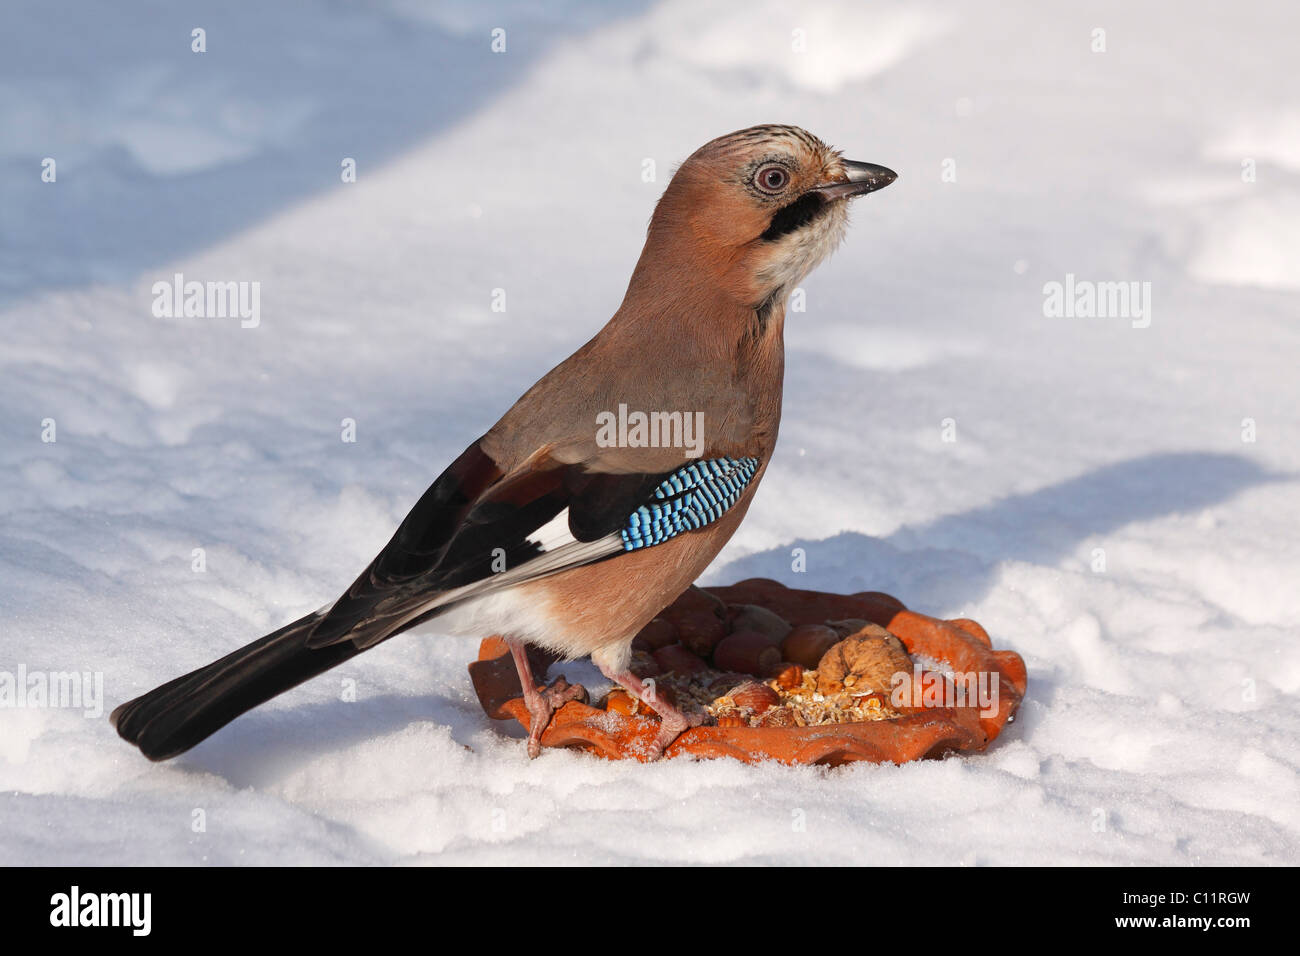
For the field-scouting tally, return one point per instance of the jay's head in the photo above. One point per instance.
(759, 209)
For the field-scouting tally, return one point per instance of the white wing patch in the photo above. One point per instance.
(560, 552)
(554, 534)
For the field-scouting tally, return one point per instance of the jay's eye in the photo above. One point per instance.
(772, 179)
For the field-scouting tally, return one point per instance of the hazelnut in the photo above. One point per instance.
(751, 617)
(748, 652)
(700, 619)
(755, 697)
(850, 625)
(678, 660)
(694, 600)
(700, 632)
(658, 633)
(807, 643)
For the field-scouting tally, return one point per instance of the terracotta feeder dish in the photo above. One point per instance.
(788, 675)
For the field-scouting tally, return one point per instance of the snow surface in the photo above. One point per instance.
(1161, 723)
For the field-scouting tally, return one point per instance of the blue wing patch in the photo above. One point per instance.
(691, 497)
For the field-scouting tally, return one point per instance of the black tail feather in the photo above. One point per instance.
(172, 718)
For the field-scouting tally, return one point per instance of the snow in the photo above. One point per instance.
(1161, 724)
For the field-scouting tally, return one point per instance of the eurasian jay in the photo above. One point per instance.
(554, 529)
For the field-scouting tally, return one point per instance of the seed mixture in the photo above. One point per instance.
(803, 706)
(730, 700)
(743, 665)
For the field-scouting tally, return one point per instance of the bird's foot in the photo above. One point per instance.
(672, 721)
(542, 705)
(544, 702)
(671, 726)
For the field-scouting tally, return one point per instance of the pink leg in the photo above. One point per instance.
(541, 703)
(671, 720)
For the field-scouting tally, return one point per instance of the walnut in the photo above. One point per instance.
(863, 663)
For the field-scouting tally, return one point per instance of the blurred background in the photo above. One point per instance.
(1115, 499)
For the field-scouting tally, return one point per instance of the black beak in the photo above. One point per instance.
(863, 178)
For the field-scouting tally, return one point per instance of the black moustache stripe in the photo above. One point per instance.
(794, 216)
